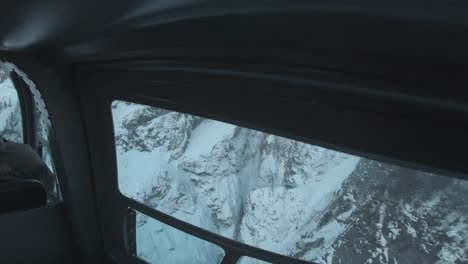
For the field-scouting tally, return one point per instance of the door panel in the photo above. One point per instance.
(37, 236)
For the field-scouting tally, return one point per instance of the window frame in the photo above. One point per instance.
(159, 83)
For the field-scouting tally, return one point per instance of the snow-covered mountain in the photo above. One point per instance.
(280, 195)
(10, 113)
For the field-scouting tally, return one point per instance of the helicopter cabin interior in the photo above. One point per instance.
(200, 131)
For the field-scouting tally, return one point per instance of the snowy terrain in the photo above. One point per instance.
(280, 195)
(10, 114)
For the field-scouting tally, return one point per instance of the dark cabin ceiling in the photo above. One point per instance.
(427, 30)
(422, 44)
(423, 41)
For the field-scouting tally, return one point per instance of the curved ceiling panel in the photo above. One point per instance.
(56, 23)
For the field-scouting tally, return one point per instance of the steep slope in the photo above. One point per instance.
(393, 215)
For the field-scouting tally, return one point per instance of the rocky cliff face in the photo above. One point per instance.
(10, 112)
(394, 215)
(281, 195)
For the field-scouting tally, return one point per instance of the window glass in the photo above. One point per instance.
(47, 158)
(11, 124)
(286, 196)
(161, 243)
(43, 124)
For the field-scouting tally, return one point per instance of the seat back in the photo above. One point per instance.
(21, 195)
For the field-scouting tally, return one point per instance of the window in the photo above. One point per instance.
(35, 116)
(160, 243)
(285, 196)
(11, 123)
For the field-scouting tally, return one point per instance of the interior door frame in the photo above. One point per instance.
(70, 153)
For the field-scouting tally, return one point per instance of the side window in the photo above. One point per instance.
(11, 123)
(24, 118)
(280, 195)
